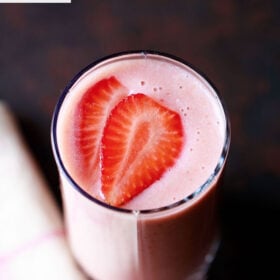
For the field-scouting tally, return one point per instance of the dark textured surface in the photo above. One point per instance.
(236, 43)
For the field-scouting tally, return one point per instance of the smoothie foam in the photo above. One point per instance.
(182, 91)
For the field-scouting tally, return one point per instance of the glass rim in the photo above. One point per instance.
(187, 199)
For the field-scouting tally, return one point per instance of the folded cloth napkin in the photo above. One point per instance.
(32, 237)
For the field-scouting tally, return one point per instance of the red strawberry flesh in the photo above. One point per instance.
(90, 118)
(142, 139)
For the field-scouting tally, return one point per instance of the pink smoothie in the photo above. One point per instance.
(173, 243)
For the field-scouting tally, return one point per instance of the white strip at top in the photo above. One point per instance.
(35, 1)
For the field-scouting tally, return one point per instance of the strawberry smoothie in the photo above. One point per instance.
(140, 141)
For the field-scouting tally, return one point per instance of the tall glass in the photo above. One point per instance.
(176, 241)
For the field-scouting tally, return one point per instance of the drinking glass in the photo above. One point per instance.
(176, 241)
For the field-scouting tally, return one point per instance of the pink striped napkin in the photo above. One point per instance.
(32, 237)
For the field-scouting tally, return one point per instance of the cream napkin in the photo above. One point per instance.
(32, 238)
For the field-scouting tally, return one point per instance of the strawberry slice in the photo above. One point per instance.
(90, 118)
(142, 139)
